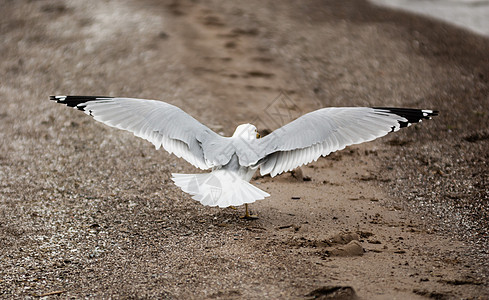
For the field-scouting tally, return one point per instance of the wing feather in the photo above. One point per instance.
(327, 130)
(160, 123)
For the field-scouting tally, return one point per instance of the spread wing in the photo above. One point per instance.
(324, 131)
(160, 123)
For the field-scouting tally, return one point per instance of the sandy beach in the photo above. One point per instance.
(89, 211)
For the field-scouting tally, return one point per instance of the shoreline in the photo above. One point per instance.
(470, 16)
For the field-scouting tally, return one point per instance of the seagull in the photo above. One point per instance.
(233, 160)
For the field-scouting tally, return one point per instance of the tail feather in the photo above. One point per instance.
(218, 188)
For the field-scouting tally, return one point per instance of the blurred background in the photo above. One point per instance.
(470, 14)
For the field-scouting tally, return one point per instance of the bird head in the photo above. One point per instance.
(246, 132)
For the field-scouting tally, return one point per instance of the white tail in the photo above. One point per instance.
(218, 188)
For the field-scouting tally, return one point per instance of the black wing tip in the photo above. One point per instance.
(412, 115)
(431, 113)
(409, 112)
(75, 101)
(63, 98)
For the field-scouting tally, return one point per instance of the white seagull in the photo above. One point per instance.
(233, 160)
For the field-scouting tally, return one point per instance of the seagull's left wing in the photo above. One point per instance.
(324, 131)
(160, 123)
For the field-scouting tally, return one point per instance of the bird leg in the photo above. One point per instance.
(247, 215)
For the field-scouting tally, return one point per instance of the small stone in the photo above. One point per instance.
(374, 241)
(297, 174)
(353, 248)
(334, 292)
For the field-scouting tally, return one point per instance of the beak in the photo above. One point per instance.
(258, 135)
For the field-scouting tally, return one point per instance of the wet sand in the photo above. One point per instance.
(90, 211)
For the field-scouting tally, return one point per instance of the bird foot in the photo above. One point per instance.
(247, 215)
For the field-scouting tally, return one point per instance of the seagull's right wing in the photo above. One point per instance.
(160, 123)
(324, 131)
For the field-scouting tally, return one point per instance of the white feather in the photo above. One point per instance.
(235, 159)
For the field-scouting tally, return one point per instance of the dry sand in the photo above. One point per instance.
(89, 211)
